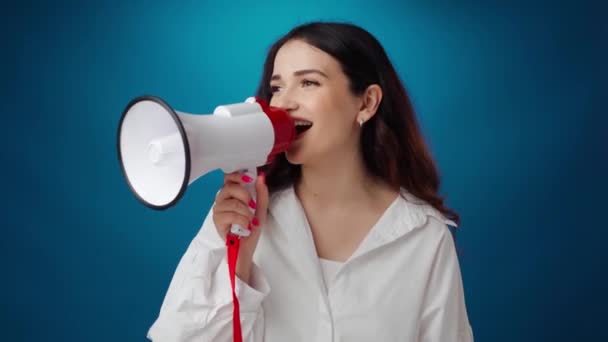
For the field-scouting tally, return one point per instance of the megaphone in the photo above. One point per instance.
(162, 151)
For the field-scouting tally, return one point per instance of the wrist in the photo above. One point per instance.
(243, 268)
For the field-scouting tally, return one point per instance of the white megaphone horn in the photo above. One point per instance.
(162, 151)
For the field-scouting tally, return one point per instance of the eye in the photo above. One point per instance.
(274, 89)
(306, 83)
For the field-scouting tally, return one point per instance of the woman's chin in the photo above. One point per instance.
(293, 157)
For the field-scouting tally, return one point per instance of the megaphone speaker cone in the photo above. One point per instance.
(153, 152)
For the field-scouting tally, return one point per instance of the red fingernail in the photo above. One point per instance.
(252, 204)
(250, 227)
(263, 175)
(246, 179)
(255, 221)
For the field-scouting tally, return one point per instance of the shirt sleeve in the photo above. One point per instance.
(198, 304)
(444, 316)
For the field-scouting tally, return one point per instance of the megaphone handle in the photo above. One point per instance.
(251, 172)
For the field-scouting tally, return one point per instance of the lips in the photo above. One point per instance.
(302, 125)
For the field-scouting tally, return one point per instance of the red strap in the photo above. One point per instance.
(233, 242)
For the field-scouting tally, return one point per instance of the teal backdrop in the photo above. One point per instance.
(510, 96)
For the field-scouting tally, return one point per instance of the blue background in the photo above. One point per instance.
(510, 97)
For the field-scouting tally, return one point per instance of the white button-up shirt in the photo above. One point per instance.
(403, 283)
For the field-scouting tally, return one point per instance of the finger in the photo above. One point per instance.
(233, 190)
(230, 218)
(262, 198)
(237, 177)
(233, 205)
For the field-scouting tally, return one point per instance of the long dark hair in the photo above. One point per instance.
(393, 147)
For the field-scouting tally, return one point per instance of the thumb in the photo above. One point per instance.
(262, 198)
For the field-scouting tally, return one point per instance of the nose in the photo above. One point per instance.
(285, 102)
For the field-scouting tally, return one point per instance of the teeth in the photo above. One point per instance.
(303, 123)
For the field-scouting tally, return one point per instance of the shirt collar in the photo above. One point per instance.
(404, 215)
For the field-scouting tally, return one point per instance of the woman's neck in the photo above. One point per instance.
(342, 182)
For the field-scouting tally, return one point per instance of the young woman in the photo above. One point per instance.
(349, 237)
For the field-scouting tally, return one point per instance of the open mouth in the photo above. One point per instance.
(302, 126)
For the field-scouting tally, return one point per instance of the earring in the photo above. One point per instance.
(361, 121)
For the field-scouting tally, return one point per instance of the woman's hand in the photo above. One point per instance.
(232, 206)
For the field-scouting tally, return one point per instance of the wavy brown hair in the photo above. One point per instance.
(391, 142)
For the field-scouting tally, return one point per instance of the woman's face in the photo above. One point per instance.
(310, 85)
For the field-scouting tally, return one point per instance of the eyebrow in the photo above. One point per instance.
(300, 73)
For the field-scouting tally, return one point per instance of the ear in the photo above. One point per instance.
(371, 99)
